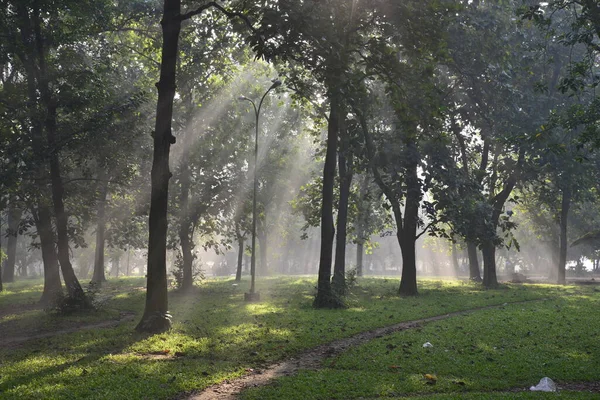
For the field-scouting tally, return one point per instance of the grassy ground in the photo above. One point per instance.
(218, 336)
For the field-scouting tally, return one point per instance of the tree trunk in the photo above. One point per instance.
(408, 233)
(74, 289)
(455, 263)
(564, 214)
(490, 279)
(99, 276)
(325, 297)
(1, 272)
(339, 267)
(263, 255)
(116, 264)
(240, 257)
(42, 216)
(474, 271)
(185, 225)
(52, 284)
(360, 250)
(155, 318)
(14, 218)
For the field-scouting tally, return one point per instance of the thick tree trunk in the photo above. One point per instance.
(14, 218)
(339, 267)
(325, 297)
(474, 271)
(240, 258)
(564, 214)
(52, 284)
(155, 318)
(490, 279)
(408, 238)
(408, 281)
(99, 276)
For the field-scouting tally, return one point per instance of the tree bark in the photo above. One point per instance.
(42, 215)
(564, 214)
(263, 253)
(1, 272)
(99, 276)
(455, 263)
(325, 297)
(474, 271)
(74, 289)
(185, 225)
(360, 251)
(408, 281)
(52, 283)
(240, 257)
(155, 317)
(490, 280)
(345, 161)
(14, 218)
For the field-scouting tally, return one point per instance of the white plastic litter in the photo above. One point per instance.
(427, 344)
(545, 385)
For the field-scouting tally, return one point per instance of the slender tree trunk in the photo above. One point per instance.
(455, 263)
(240, 257)
(263, 252)
(14, 218)
(185, 224)
(116, 264)
(339, 267)
(52, 284)
(325, 297)
(42, 216)
(1, 272)
(490, 279)
(361, 222)
(99, 276)
(474, 271)
(74, 289)
(564, 214)
(360, 250)
(155, 317)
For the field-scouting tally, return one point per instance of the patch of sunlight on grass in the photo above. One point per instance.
(263, 308)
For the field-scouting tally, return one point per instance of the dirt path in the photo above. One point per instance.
(21, 338)
(312, 358)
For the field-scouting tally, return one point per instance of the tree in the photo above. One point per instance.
(156, 317)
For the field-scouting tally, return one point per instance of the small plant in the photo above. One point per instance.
(351, 277)
(87, 300)
(197, 272)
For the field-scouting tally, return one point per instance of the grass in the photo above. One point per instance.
(472, 356)
(217, 336)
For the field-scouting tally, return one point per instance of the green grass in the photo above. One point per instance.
(217, 336)
(489, 350)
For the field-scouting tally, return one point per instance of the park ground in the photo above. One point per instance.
(485, 343)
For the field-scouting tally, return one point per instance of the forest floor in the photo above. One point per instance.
(486, 343)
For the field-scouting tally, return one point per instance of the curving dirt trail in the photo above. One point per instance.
(312, 358)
